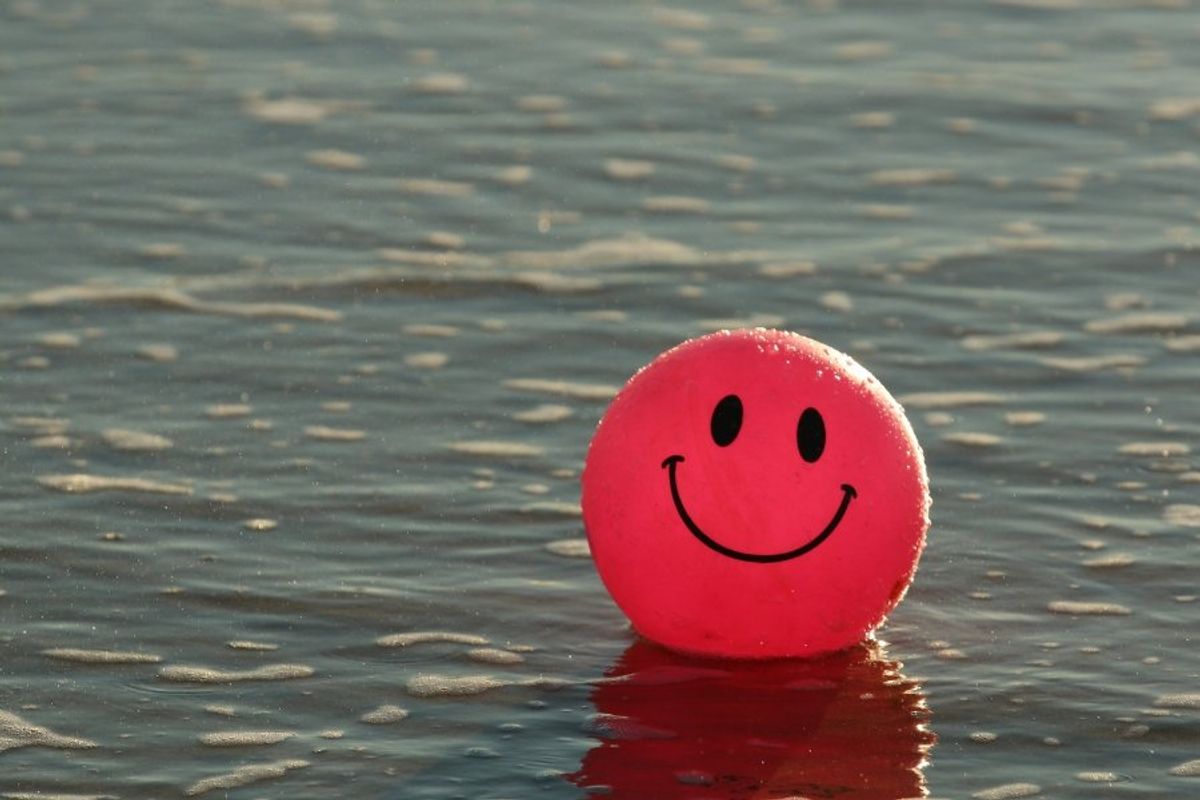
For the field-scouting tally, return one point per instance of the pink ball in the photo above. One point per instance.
(755, 494)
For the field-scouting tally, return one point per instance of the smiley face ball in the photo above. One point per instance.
(755, 494)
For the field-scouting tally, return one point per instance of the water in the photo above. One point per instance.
(323, 301)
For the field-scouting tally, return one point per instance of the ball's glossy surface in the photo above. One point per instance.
(755, 494)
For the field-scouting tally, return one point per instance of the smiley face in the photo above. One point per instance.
(810, 442)
(755, 494)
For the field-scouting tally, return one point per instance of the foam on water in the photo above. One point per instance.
(60, 340)
(632, 248)
(1175, 108)
(173, 299)
(244, 738)
(1099, 777)
(431, 330)
(554, 507)
(46, 425)
(80, 483)
(335, 160)
(544, 413)
(836, 301)
(676, 204)
(445, 239)
(1110, 561)
(384, 715)
(491, 655)
(16, 732)
(289, 110)
(972, 438)
(245, 775)
(161, 353)
(325, 433)
(229, 410)
(271, 672)
(873, 120)
(125, 439)
(1157, 449)
(911, 177)
(1008, 791)
(620, 169)
(891, 212)
(426, 637)
(1022, 340)
(434, 187)
(427, 360)
(101, 656)
(427, 685)
(1085, 608)
(440, 83)
(1183, 344)
(1189, 700)
(496, 448)
(258, 647)
(570, 548)
(1185, 515)
(1145, 322)
(1094, 363)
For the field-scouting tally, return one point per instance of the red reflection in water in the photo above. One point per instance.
(848, 726)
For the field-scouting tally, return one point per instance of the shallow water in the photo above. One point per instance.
(309, 310)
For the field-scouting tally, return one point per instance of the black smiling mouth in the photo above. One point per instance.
(848, 494)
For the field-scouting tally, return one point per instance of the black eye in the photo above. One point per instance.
(810, 435)
(727, 420)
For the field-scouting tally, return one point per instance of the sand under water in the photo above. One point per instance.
(309, 310)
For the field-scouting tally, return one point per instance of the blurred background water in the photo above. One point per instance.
(310, 307)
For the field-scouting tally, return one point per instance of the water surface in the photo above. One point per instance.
(310, 308)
